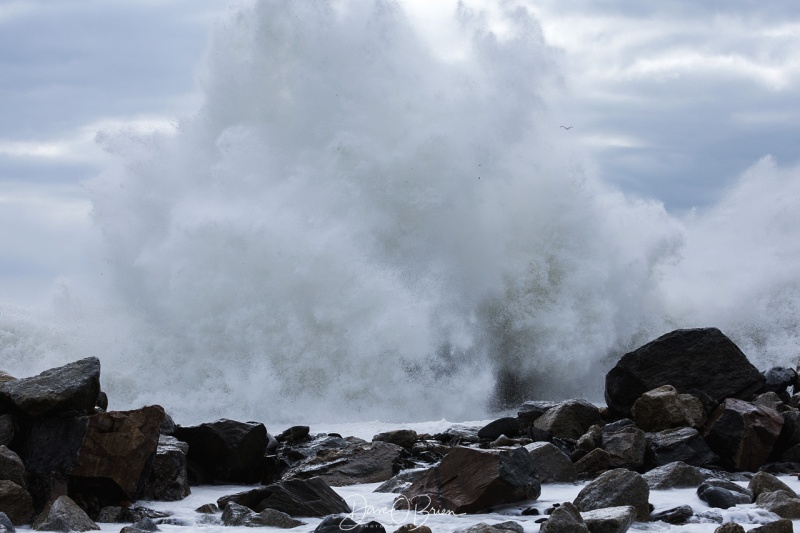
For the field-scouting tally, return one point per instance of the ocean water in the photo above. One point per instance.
(358, 226)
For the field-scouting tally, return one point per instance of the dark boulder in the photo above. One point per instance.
(508, 426)
(675, 515)
(616, 488)
(743, 434)
(610, 519)
(294, 434)
(663, 408)
(626, 447)
(778, 378)
(359, 462)
(781, 503)
(784, 525)
(694, 361)
(469, 480)
(675, 476)
(593, 463)
(311, 497)
(682, 444)
(336, 524)
(168, 479)
(718, 497)
(565, 519)
(72, 388)
(532, 410)
(569, 419)
(551, 464)
(64, 515)
(400, 437)
(15, 502)
(763, 482)
(226, 450)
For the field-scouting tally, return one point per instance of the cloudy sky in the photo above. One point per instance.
(670, 100)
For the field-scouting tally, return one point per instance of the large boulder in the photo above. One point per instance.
(681, 444)
(663, 408)
(616, 488)
(64, 515)
(551, 464)
(358, 462)
(569, 419)
(702, 362)
(105, 458)
(15, 502)
(168, 479)
(743, 434)
(311, 497)
(469, 480)
(226, 451)
(72, 388)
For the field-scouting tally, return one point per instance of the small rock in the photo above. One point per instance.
(565, 519)
(508, 426)
(15, 502)
(674, 475)
(676, 515)
(614, 488)
(400, 437)
(781, 503)
(763, 482)
(273, 518)
(551, 464)
(610, 519)
(208, 508)
(779, 526)
(730, 527)
(6, 526)
(64, 515)
(11, 467)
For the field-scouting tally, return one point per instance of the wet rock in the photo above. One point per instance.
(769, 399)
(551, 464)
(459, 434)
(779, 526)
(626, 447)
(72, 388)
(400, 482)
(594, 462)
(566, 518)
(675, 475)
(615, 488)
(236, 515)
(469, 480)
(610, 519)
(401, 437)
(226, 450)
(781, 503)
(730, 527)
(11, 467)
(208, 508)
(694, 361)
(483, 527)
(64, 515)
(412, 528)
(682, 444)
(294, 434)
(359, 462)
(273, 518)
(593, 438)
(663, 408)
(168, 479)
(531, 410)
(569, 419)
(676, 515)
(118, 514)
(6, 525)
(15, 502)
(743, 434)
(336, 524)
(778, 378)
(719, 497)
(763, 482)
(741, 494)
(312, 497)
(508, 426)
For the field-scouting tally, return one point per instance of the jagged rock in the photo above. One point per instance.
(778, 378)
(400, 482)
(565, 519)
(15, 502)
(593, 438)
(508, 426)
(614, 488)
(663, 408)
(336, 524)
(469, 480)
(626, 447)
(400, 437)
(779, 526)
(730, 527)
(675, 475)
(694, 361)
(102, 401)
(357, 463)
(226, 450)
(551, 464)
(531, 410)
(763, 482)
(7, 429)
(236, 515)
(294, 434)
(569, 419)
(72, 388)
(168, 480)
(781, 503)
(118, 514)
(6, 525)
(11, 467)
(676, 515)
(64, 515)
(610, 519)
(682, 444)
(311, 497)
(594, 462)
(743, 434)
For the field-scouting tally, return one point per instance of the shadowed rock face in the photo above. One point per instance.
(299, 497)
(469, 480)
(703, 362)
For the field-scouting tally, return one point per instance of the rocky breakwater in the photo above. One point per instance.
(686, 410)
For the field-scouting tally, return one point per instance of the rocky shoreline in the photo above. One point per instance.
(685, 410)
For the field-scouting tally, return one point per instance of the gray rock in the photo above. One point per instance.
(400, 482)
(676, 515)
(718, 497)
(70, 388)
(626, 447)
(682, 444)
(779, 526)
(15, 502)
(594, 462)
(11, 467)
(614, 488)
(730, 527)
(64, 515)
(236, 515)
(312, 497)
(610, 519)
(769, 399)
(208, 508)
(569, 419)
(483, 527)
(565, 519)
(663, 408)
(400, 437)
(781, 503)
(168, 479)
(273, 518)
(551, 464)
(675, 475)
(6, 525)
(742, 494)
(763, 482)
(359, 462)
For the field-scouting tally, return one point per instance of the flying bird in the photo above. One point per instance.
(567, 127)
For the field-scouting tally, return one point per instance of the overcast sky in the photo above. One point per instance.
(672, 100)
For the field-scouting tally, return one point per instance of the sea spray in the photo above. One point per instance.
(354, 226)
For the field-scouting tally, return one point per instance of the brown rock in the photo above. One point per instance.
(569, 420)
(763, 482)
(663, 408)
